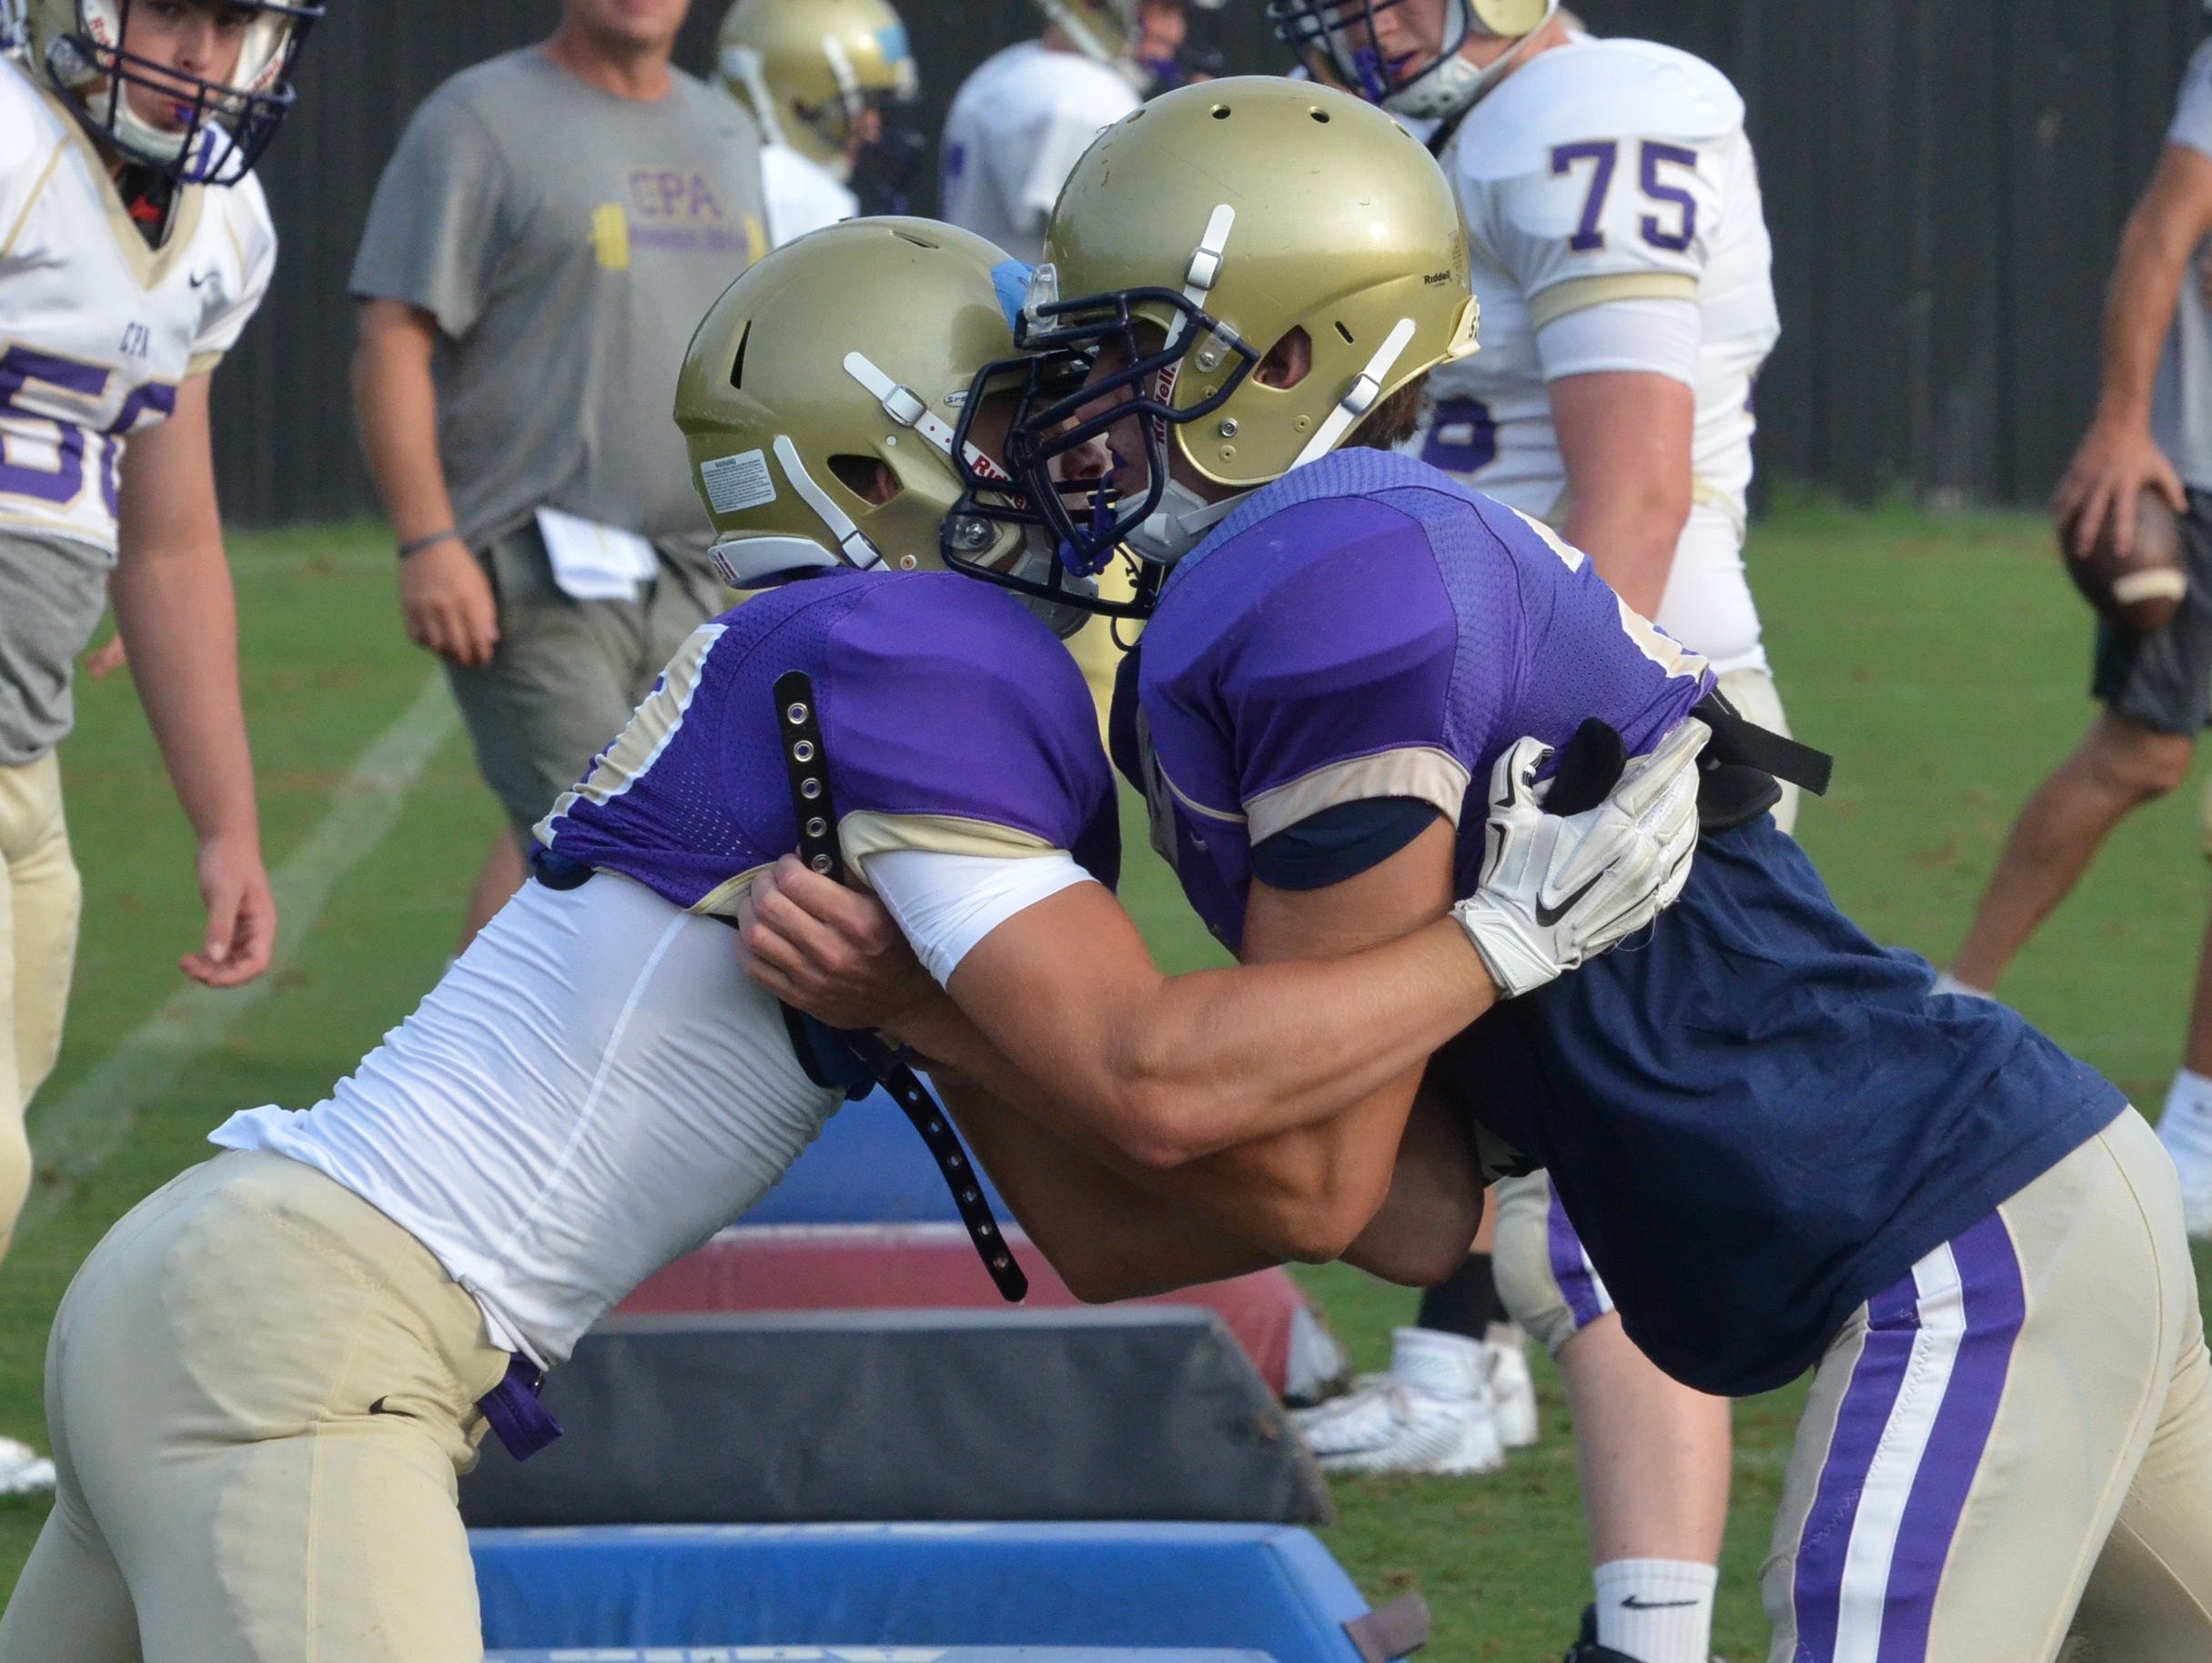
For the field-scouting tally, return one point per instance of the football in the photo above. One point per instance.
(2142, 592)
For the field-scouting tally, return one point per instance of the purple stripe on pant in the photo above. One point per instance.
(1572, 1269)
(1954, 1415)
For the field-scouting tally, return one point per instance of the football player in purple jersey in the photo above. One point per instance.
(263, 1383)
(1783, 1152)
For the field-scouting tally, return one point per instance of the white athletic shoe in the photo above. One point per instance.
(1512, 1395)
(23, 1470)
(1384, 1427)
(1452, 1365)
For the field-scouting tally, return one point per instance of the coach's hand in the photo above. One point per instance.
(241, 914)
(2118, 462)
(448, 605)
(1557, 889)
(831, 952)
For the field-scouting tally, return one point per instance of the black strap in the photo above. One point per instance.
(799, 726)
(1746, 744)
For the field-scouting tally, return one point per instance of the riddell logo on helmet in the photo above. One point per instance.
(1435, 278)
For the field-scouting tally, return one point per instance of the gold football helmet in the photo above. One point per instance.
(826, 400)
(90, 52)
(810, 69)
(1337, 39)
(1240, 224)
(1112, 33)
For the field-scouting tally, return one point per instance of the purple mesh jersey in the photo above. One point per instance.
(1756, 1118)
(952, 719)
(1370, 628)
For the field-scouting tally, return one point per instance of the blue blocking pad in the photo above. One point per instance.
(1137, 1593)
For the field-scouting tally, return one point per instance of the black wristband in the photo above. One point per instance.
(431, 541)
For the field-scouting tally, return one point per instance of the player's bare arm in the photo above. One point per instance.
(1304, 1061)
(1338, 1189)
(174, 602)
(1625, 437)
(444, 595)
(2118, 459)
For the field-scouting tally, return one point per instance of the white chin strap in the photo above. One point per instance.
(1454, 85)
(858, 550)
(1179, 524)
(1362, 397)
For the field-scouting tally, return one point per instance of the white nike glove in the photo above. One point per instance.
(1557, 891)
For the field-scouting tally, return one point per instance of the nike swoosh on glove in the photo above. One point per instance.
(1557, 889)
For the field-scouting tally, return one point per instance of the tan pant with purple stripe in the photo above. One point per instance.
(2014, 1444)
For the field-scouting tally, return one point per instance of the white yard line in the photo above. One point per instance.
(74, 1134)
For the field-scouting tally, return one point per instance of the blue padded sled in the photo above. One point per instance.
(1269, 1589)
(874, 1654)
(868, 1167)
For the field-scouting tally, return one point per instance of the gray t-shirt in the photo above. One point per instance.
(567, 243)
(2181, 411)
(52, 591)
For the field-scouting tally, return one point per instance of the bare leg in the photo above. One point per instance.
(2199, 1056)
(504, 871)
(2119, 765)
(1654, 1453)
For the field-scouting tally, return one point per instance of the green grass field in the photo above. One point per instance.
(1941, 659)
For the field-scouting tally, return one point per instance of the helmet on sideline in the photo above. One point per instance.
(85, 50)
(1218, 225)
(1336, 40)
(819, 398)
(1111, 31)
(810, 70)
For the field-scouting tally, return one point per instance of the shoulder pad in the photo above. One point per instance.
(1599, 89)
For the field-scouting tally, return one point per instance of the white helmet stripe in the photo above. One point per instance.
(903, 404)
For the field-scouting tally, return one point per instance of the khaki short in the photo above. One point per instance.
(40, 902)
(568, 673)
(2014, 1444)
(1545, 1281)
(261, 1393)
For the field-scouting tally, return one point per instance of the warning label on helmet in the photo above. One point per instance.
(735, 483)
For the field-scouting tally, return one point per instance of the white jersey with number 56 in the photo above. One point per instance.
(97, 330)
(1599, 172)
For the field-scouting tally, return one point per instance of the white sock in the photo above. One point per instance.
(2185, 1127)
(1948, 984)
(1657, 1610)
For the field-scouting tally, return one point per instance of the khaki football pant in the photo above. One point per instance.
(2014, 1442)
(261, 1392)
(40, 902)
(1545, 1281)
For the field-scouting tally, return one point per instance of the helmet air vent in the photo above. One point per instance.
(737, 364)
(1346, 333)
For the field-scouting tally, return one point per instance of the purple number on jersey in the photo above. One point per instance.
(21, 367)
(1604, 154)
(1656, 156)
(1462, 436)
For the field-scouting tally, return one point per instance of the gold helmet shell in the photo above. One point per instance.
(821, 395)
(1271, 207)
(808, 68)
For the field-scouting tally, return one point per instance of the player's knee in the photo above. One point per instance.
(2136, 761)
